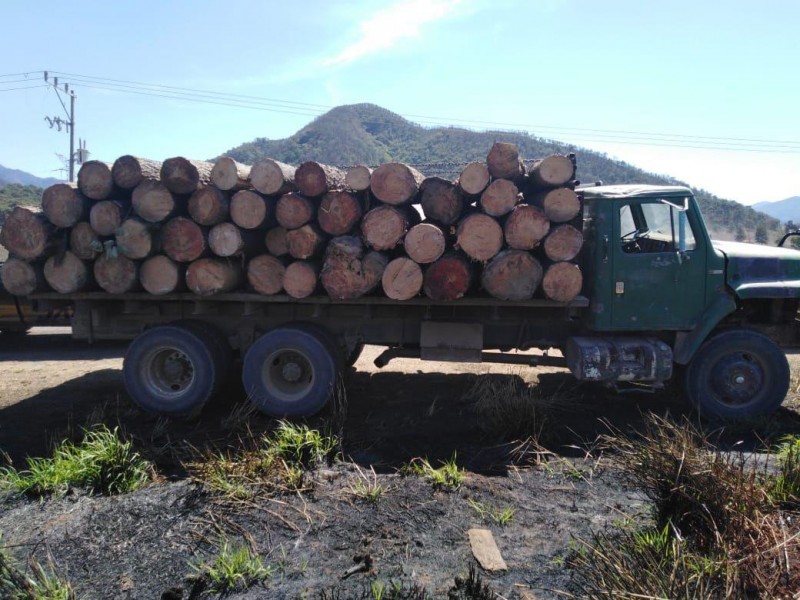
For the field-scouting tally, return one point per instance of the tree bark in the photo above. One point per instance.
(27, 234)
(210, 276)
(84, 241)
(449, 278)
(129, 171)
(115, 273)
(209, 206)
(553, 171)
(67, 274)
(226, 239)
(107, 215)
(294, 210)
(313, 179)
(357, 178)
(474, 178)
(512, 275)
(136, 239)
(183, 240)
(227, 174)
(95, 180)
(183, 176)
(265, 274)
(250, 210)
(562, 281)
(525, 227)
(499, 198)
(153, 201)
(272, 178)
(300, 279)
(425, 243)
(349, 271)
(563, 243)
(21, 278)
(479, 236)
(339, 213)
(161, 275)
(395, 183)
(559, 204)
(504, 162)
(276, 241)
(64, 205)
(441, 200)
(305, 242)
(402, 279)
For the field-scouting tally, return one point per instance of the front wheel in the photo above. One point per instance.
(737, 374)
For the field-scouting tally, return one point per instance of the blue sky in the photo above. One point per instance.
(707, 92)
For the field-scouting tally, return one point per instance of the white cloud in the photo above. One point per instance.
(387, 27)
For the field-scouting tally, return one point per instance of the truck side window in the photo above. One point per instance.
(652, 227)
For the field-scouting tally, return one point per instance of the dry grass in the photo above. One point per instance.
(719, 533)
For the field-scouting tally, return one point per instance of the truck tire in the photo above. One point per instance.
(290, 372)
(223, 353)
(172, 370)
(737, 374)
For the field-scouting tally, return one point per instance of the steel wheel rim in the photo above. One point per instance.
(737, 379)
(288, 374)
(168, 371)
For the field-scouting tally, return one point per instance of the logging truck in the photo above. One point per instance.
(659, 300)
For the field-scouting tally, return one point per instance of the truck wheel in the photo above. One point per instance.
(737, 374)
(289, 372)
(172, 370)
(223, 353)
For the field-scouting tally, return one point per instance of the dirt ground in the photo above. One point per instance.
(142, 545)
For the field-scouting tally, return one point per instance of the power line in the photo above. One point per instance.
(29, 87)
(37, 73)
(309, 109)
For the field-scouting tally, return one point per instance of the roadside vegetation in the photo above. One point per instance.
(723, 525)
(447, 476)
(37, 582)
(101, 463)
(234, 568)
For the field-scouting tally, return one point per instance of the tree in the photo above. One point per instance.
(740, 235)
(761, 234)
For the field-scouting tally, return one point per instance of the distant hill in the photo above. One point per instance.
(785, 210)
(368, 134)
(8, 175)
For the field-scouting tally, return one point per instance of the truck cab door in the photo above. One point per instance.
(658, 266)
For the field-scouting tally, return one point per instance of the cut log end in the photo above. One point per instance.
(562, 282)
(563, 243)
(227, 174)
(512, 275)
(448, 279)
(153, 201)
(560, 205)
(115, 273)
(395, 183)
(474, 178)
(271, 177)
(210, 276)
(441, 200)
(384, 227)
(425, 243)
(339, 213)
(504, 162)
(479, 236)
(106, 216)
(135, 239)
(265, 274)
(305, 242)
(350, 272)
(21, 278)
(357, 178)
(84, 241)
(553, 171)
(294, 210)
(26, 233)
(313, 179)
(66, 273)
(276, 241)
(250, 210)
(402, 279)
(64, 205)
(525, 227)
(499, 198)
(183, 240)
(300, 279)
(161, 275)
(129, 171)
(183, 176)
(95, 180)
(208, 206)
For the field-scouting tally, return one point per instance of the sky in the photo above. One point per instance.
(704, 92)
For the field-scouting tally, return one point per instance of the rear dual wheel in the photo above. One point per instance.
(175, 369)
(291, 371)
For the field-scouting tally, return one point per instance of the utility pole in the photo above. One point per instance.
(58, 122)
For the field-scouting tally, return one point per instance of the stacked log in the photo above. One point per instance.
(273, 228)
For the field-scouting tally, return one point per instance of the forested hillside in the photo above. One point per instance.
(14, 194)
(369, 134)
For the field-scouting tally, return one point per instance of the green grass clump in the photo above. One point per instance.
(42, 583)
(234, 568)
(101, 463)
(498, 516)
(277, 461)
(448, 475)
(786, 486)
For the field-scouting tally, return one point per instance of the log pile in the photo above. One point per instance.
(500, 229)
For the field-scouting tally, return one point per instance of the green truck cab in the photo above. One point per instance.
(723, 308)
